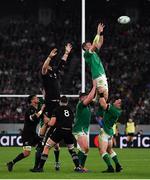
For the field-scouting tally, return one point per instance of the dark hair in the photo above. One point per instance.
(30, 97)
(83, 46)
(82, 94)
(63, 99)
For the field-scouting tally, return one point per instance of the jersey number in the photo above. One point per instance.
(66, 113)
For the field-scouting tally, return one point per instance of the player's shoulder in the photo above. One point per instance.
(87, 53)
(80, 105)
(65, 107)
(115, 110)
(30, 109)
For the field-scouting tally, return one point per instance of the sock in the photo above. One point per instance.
(82, 158)
(114, 158)
(56, 153)
(18, 158)
(38, 154)
(74, 157)
(106, 158)
(44, 157)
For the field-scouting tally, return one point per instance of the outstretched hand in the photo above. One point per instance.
(68, 48)
(100, 28)
(53, 53)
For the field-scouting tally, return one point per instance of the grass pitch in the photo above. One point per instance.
(135, 162)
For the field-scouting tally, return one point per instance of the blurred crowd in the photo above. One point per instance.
(25, 44)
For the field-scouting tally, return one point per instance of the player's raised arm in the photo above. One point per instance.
(38, 114)
(91, 95)
(64, 58)
(52, 121)
(103, 102)
(98, 40)
(47, 61)
(68, 49)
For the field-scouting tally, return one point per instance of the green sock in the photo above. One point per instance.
(82, 158)
(115, 159)
(106, 159)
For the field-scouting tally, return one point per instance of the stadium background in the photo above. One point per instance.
(30, 28)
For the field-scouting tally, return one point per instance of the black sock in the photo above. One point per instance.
(18, 158)
(56, 153)
(43, 160)
(38, 154)
(74, 157)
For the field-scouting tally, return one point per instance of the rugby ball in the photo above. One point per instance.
(123, 19)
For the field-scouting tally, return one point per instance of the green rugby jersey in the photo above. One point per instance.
(110, 118)
(95, 64)
(82, 118)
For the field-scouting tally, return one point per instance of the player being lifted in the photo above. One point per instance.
(94, 62)
(111, 114)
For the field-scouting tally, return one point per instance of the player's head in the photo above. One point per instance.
(118, 103)
(82, 96)
(130, 120)
(86, 45)
(63, 101)
(33, 99)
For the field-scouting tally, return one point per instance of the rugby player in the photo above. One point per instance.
(82, 123)
(62, 119)
(94, 62)
(111, 114)
(52, 91)
(29, 136)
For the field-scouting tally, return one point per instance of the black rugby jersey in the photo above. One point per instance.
(64, 117)
(30, 124)
(51, 83)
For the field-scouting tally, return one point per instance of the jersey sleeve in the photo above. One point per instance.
(54, 113)
(96, 50)
(31, 114)
(60, 66)
(114, 111)
(87, 54)
(81, 105)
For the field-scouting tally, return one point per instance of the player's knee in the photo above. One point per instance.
(48, 146)
(70, 146)
(26, 153)
(110, 150)
(86, 149)
(56, 147)
(102, 151)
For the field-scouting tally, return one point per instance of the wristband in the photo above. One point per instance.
(40, 112)
(101, 95)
